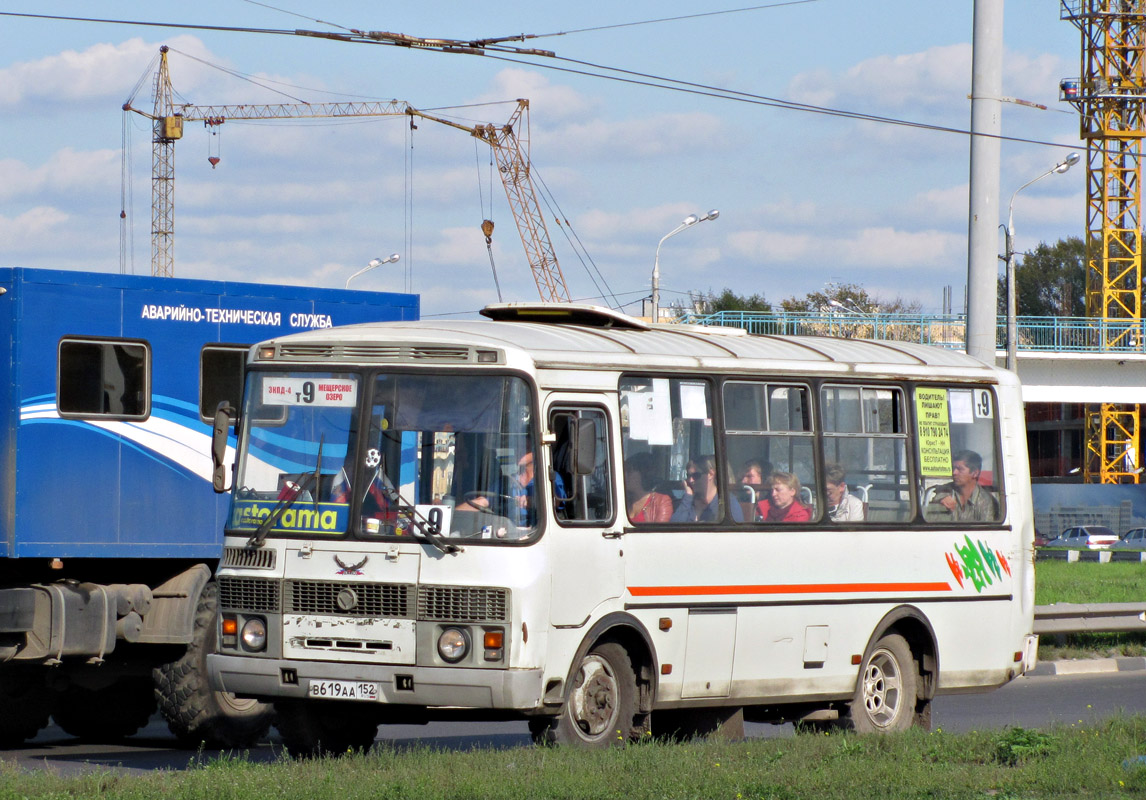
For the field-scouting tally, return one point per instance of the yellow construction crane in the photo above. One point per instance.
(509, 145)
(1110, 95)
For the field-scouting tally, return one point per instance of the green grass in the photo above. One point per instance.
(1062, 582)
(1092, 762)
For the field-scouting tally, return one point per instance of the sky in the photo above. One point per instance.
(805, 199)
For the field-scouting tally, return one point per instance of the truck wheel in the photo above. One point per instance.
(104, 715)
(314, 728)
(24, 707)
(195, 713)
(600, 705)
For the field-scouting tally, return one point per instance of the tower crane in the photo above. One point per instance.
(509, 145)
(1110, 96)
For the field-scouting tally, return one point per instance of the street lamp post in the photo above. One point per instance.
(688, 222)
(374, 262)
(1009, 258)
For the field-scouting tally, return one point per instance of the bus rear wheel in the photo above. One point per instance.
(600, 704)
(887, 688)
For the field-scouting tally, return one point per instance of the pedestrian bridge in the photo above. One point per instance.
(1059, 358)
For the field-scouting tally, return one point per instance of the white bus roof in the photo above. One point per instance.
(577, 336)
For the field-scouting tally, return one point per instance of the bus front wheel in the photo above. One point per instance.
(600, 703)
(886, 691)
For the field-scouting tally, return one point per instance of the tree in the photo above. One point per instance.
(1050, 281)
(728, 300)
(852, 297)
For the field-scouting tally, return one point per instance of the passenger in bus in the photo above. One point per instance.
(755, 474)
(701, 501)
(843, 506)
(784, 505)
(963, 500)
(645, 503)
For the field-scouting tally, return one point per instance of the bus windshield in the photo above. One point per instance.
(386, 455)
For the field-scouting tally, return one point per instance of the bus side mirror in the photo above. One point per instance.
(224, 416)
(585, 450)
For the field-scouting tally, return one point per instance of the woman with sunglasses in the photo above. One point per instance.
(701, 501)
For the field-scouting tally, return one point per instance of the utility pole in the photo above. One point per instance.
(986, 127)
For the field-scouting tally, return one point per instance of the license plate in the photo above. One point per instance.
(343, 690)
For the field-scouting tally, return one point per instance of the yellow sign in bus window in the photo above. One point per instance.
(933, 431)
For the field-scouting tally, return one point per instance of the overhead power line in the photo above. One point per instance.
(495, 50)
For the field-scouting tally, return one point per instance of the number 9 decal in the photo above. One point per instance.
(983, 404)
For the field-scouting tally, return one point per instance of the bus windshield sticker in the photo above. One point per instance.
(934, 432)
(335, 392)
(961, 412)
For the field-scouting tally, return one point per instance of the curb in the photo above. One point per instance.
(1088, 666)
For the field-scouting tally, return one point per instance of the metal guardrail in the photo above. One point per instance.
(1090, 618)
(1045, 334)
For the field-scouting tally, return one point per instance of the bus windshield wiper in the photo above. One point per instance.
(428, 530)
(308, 481)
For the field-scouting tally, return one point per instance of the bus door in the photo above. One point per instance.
(584, 532)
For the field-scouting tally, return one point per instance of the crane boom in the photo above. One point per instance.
(509, 145)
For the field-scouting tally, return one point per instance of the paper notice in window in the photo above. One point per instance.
(660, 413)
(693, 401)
(650, 414)
(961, 406)
(934, 432)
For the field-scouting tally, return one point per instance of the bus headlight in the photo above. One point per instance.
(453, 644)
(255, 635)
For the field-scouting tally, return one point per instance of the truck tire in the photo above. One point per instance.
(104, 715)
(317, 728)
(197, 715)
(24, 708)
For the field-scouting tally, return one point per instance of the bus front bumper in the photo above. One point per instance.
(272, 679)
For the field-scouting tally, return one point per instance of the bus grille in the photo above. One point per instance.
(249, 594)
(390, 600)
(376, 353)
(463, 603)
(249, 558)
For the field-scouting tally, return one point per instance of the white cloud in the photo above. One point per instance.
(888, 248)
(68, 172)
(34, 225)
(94, 75)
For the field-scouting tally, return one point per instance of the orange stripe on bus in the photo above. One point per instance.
(799, 588)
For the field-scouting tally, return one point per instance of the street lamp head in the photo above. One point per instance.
(374, 262)
(713, 214)
(1067, 163)
(691, 219)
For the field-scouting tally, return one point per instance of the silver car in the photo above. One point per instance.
(1133, 539)
(1090, 537)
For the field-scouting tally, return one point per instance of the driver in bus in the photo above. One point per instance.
(963, 499)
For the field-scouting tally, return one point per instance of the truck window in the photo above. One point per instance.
(220, 377)
(104, 378)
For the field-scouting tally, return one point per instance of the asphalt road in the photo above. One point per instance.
(1029, 702)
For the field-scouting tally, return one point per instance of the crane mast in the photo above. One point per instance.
(509, 143)
(1109, 96)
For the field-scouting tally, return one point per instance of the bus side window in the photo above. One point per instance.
(579, 479)
(956, 439)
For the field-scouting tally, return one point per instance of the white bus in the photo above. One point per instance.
(612, 528)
